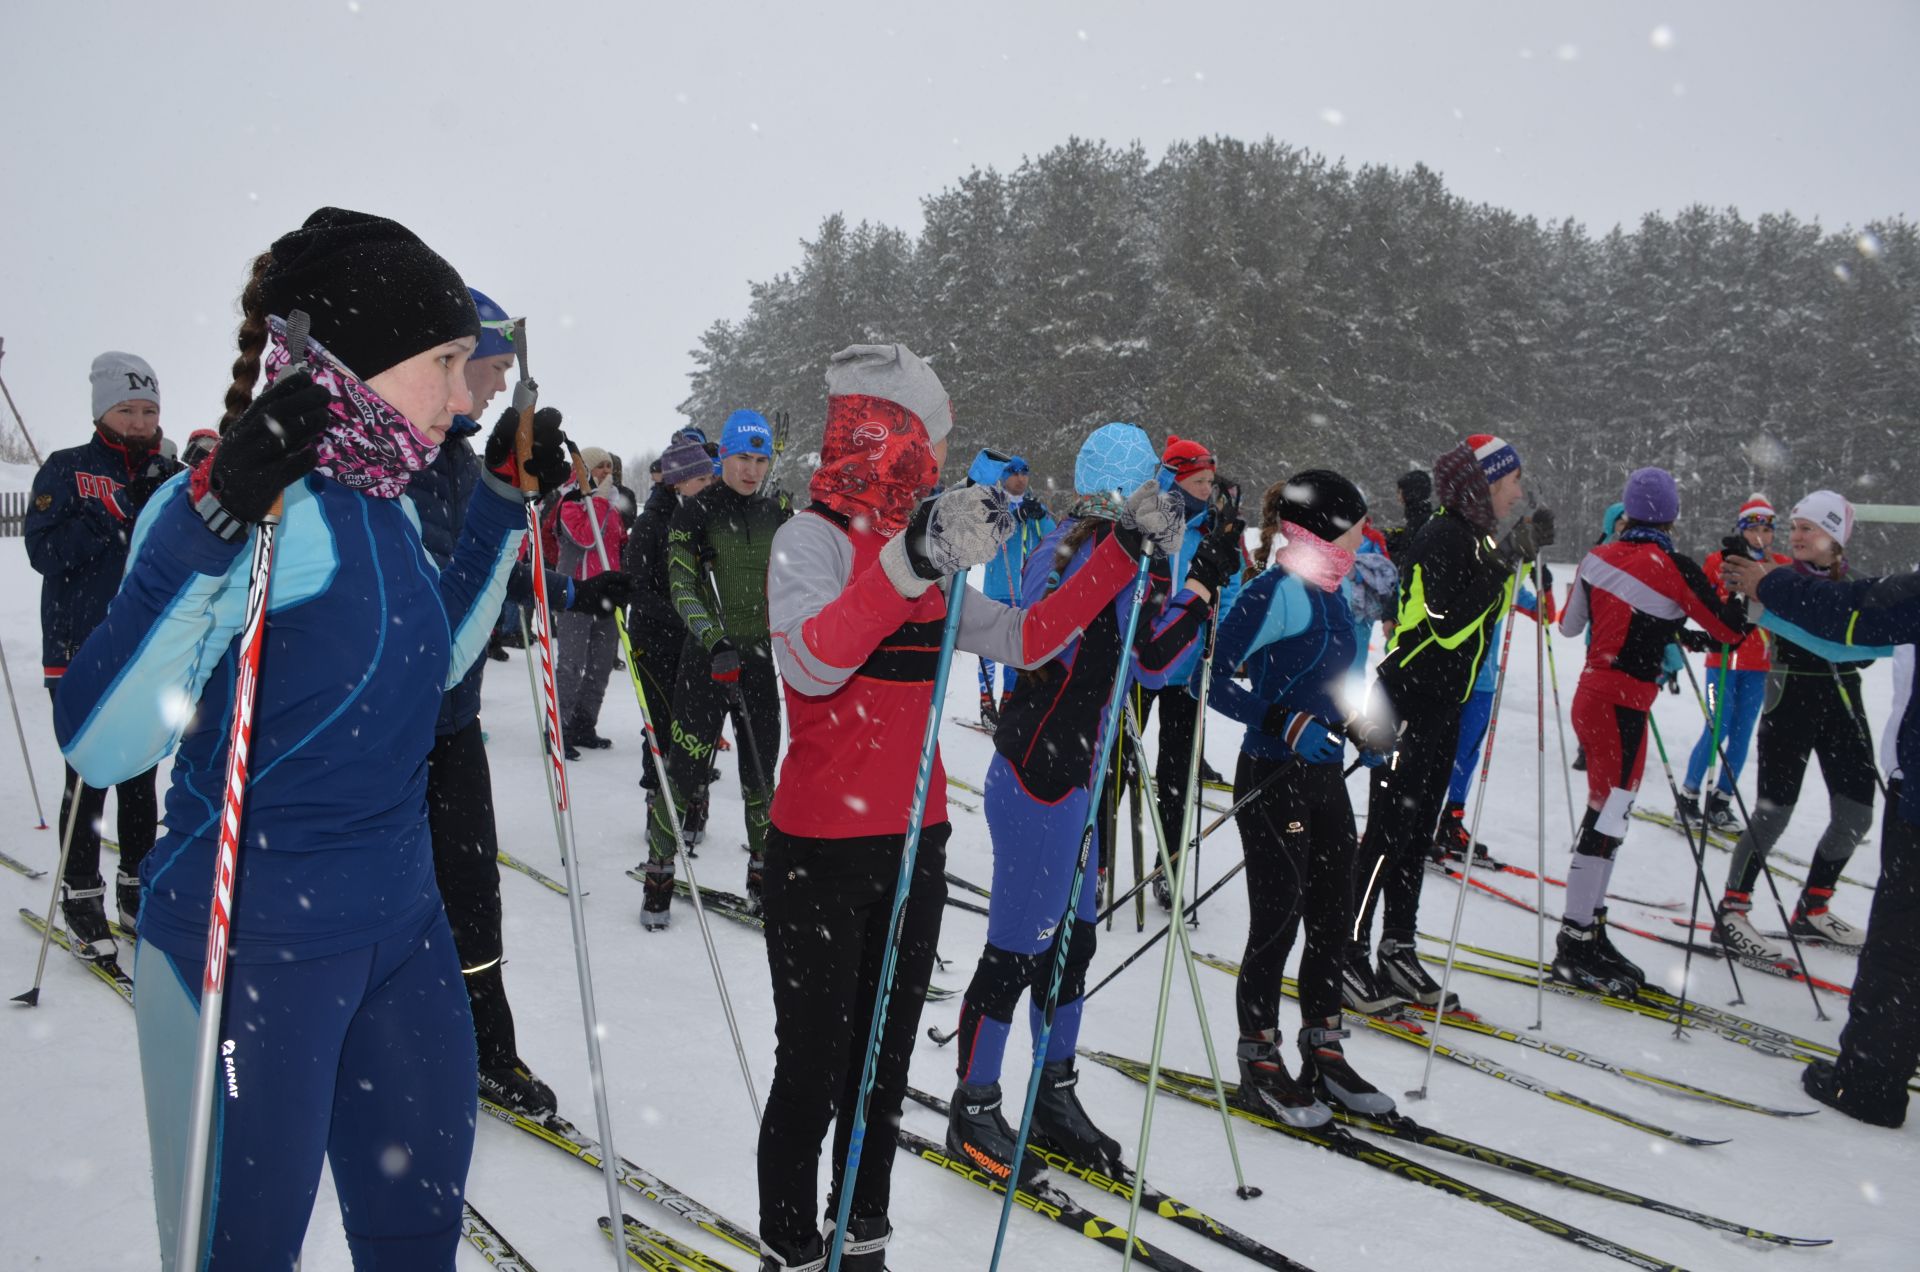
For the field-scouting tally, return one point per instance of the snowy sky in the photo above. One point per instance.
(619, 171)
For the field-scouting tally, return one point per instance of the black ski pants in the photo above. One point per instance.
(1403, 807)
(1881, 1044)
(699, 704)
(138, 815)
(1300, 845)
(1179, 730)
(827, 905)
(466, 866)
(1805, 716)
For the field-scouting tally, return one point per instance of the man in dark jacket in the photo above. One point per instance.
(1456, 583)
(85, 501)
(459, 781)
(1416, 503)
(1881, 1043)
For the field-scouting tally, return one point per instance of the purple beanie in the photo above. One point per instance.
(1651, 496)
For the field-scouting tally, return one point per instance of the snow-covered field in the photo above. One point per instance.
(74, 1173)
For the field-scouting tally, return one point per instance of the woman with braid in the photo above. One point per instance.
(717, 554)
(347, 1032)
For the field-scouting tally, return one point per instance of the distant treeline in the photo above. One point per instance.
(1292, 312)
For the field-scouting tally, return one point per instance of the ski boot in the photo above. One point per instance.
(1580, 759)
(656, 912)
(1736, 934)
(1451, 841)
(1324, 1071)
(1360, 989)
(695, 822)
(86, 913)
(1623, 967)
(1209, 775)
(513, 1086)
(1687, 811)
(1162, 893)
(1812, 918)
(989, 713)
(1720, 813)
(977, 1135)
(1579, 961)
(1403, 973)
(1822, 1081)
(808, 1255)
(756, 872)
(866, 1245)
(126, 894)
(1061, 1124)
(1268, 1089)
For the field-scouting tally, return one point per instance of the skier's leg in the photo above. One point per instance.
(466, 866)
(402, 1133)
(1786, 744)
(1275, 881)
(83, 860)
(573, 634)
(603, 647)
(279, 1065)
(1745, 692)
(1466, 752)
(1326, 901)
(1179, 725)
(1431, 737)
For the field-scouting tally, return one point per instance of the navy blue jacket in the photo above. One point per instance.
(1299, 647)
(77, 527)
(363, 638)
(1860, 612)
(440, 495)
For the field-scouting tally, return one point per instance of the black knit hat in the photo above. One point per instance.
(1323, 503)
(377, 295)
(1415, 486)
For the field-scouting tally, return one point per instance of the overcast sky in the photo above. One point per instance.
(619, 171)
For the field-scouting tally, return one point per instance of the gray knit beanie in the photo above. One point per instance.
(121, 377)
(895, 373)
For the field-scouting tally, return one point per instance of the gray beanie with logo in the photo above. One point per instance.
(895, 373)
(121, 377)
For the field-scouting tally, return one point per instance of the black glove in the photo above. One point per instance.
(1543, 527)
(1376, 737)
(1217, 558)
(1697, 641)
(151, 476)
(725, 665)
(1523, 543)
(264, 451)
(604, 593)
(550, 463)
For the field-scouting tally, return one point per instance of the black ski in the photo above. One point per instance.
(106, 969)
(652, 1248)
(1152, 1199)
(1337, 1139)
(1049, 1202)
(569, 1139)
(14, 863)
(1401, 1127)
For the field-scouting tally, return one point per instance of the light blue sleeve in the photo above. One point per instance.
(1831, 650)
(475, 581)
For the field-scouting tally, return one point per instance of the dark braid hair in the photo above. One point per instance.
(1271, 505)
(252, 341)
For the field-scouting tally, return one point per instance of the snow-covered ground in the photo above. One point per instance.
(75, 1180)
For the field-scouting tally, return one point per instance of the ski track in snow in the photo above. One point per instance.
(78, 1194)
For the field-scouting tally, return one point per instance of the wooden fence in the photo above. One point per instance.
(13, 513)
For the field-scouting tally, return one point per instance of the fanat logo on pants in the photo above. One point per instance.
(233, 1079)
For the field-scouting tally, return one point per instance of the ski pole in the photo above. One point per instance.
(1699, 850)
(526, 395)
(1139, 838)
(1183, 947)
(16, 413)
(909, 854)
(1159, 936)
(1846, 700)
(1746, 818)
(31, 998)
(1560, 724)
(1473, 836)
(1063, 931)
(1542, 603)
(25, 757)
(659, 764)
(226, 864)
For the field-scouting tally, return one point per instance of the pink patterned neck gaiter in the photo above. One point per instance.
(368, 446)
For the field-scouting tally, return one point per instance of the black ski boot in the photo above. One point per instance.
(86, 913)
(1580, 759)
(977, 1135)
(989, 713)
(1623, 966)
(1402, 971)
(1450, 842)
(656, 909)
(1361, 990)
(1325, 1071)
(1822, 1081)
(1720, 813)
(1268, 1089)
(866, 1245)
(1162, 893)
(514, 1087)
(1061, 1124)
(1209, 775)
(126, 894)
(1687, 811)
(1578, 960)
(756, 873)
(809, 1254)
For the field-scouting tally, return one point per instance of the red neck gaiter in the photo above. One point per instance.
(875, 463)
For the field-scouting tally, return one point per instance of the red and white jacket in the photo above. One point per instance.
(1638, 596)
(857, 662)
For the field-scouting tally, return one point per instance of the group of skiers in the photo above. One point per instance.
(369, 881)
